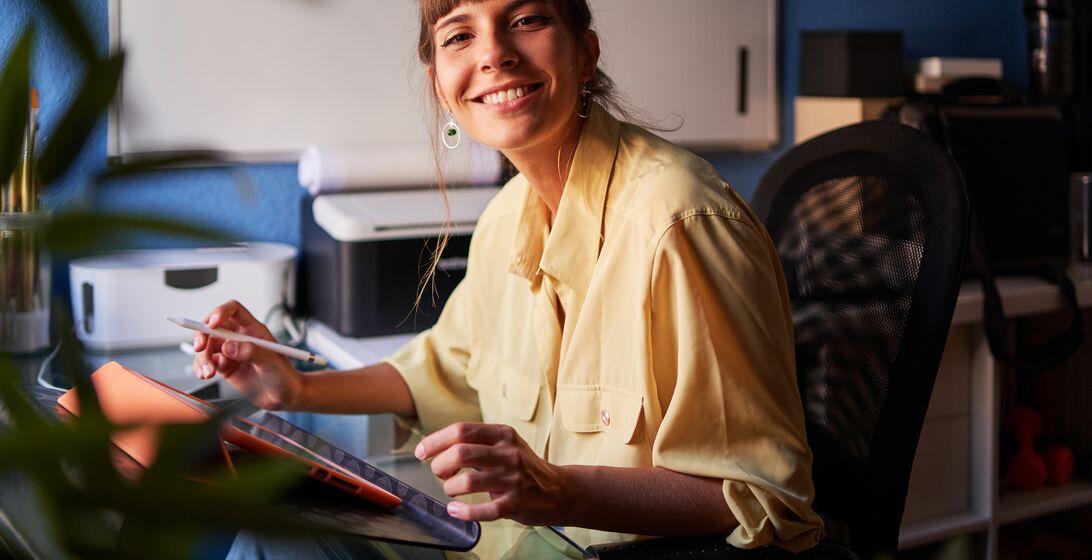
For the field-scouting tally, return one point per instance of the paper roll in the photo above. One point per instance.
(333, 169)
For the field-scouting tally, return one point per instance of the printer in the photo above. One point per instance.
(363, 255)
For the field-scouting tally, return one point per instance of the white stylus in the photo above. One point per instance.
(231, 335)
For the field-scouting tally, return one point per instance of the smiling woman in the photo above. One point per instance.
(619, 357)
(483, 52)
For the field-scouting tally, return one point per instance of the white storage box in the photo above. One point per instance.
(121, 300)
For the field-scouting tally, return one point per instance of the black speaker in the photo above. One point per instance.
(1013, 160)
(851, 63)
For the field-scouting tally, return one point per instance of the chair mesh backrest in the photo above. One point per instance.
(855, 268)
(870, 222)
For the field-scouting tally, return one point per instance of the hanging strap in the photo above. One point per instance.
(1055, 349)
(1058, 347)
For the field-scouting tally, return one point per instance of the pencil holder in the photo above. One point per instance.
(24, 282)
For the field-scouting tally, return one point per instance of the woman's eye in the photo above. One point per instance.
(531, 20)
(456, 39)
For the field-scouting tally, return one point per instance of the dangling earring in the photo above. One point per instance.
(585, 100)
(450, 134)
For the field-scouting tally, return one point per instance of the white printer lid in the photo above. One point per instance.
(368, 216)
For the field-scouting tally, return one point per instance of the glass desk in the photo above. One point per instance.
(355, 435)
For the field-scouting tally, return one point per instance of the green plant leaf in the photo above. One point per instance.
(30, 534)
(171, 543)
(88, 398)
(259, 480)
(14, 103)
(158, 162)
(21, 411)
(83, 232)
(68, 19)
(74, 128)
(186, 449)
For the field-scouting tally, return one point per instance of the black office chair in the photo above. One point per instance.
(871, 224)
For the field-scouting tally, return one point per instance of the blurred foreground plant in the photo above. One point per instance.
(75, 502)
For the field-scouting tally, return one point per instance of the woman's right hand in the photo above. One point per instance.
(263, 376)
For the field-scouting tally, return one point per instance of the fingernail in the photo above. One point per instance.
(213, 319)
(453, 509)
(206, 370)
(229, 348)
(420, 451)
(196, 340)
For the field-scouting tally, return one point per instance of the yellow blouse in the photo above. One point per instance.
(650, 326)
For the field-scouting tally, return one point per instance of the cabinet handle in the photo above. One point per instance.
(88, 292)
(744, 56)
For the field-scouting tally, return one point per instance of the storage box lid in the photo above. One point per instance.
(368, 216)
(189, 258)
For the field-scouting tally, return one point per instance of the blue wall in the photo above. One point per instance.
(974, 28)
(269, 210)
(265, 208)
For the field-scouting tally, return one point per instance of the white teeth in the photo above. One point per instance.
(502, 96)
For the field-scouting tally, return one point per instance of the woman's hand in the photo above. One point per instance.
(265, 377)
(520, 484)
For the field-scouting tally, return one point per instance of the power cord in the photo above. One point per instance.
(45, 369)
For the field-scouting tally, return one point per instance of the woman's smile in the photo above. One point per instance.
(509, 98)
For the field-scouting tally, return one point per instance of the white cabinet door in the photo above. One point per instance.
(264, 86)
(712, 62)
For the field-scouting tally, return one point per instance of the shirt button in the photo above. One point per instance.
(604, 415)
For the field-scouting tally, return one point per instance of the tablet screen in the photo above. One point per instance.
(256, 438)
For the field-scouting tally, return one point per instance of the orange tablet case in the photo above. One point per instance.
(130, 398)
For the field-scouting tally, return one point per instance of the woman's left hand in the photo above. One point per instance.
(521, 485)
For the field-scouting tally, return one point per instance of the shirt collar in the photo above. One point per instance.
(569, 252)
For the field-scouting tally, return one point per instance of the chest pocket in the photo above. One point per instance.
(610, 419)
(505, 395)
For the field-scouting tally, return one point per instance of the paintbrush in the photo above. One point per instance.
(27, 192)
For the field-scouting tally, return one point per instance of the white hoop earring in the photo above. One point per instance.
(450, 134)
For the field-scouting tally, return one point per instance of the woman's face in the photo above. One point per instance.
(509, 72)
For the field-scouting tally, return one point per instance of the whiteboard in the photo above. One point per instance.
(262, 79)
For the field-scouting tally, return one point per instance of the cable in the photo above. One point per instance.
(296, 332)
(45, 367)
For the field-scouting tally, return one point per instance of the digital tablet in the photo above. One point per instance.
(133, 399)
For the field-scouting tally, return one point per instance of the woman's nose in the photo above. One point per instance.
(497, 54)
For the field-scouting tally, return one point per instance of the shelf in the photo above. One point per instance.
(351, 353)
(1021, 296)
(941, 527)
(1019, 506)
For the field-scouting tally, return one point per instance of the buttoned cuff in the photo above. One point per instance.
(764, 519)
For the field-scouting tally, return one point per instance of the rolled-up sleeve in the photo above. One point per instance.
(434, 366)
(722, 354)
